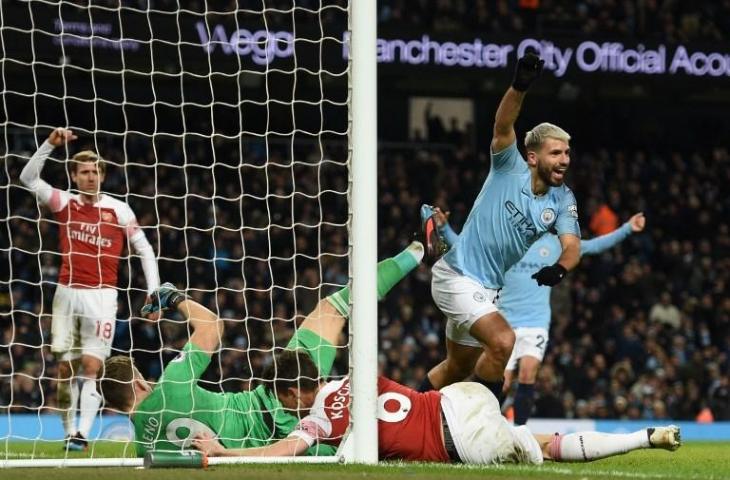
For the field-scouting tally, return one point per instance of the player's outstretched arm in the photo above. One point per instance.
(527, 70)
(30, 176)
(600, 244)
(290, 446)
(207, 327)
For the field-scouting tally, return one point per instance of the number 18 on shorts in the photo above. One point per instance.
(83, 322)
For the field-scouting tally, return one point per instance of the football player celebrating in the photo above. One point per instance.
(93, 230)
(526, 305)
(519, 202)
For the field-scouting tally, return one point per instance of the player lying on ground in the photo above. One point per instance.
(520, 201)
(93, 230)
(459, 423)
(167, 415)
(525, 304)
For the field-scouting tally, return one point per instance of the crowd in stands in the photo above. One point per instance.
(640, 332)
(658, 20)
(662, 20)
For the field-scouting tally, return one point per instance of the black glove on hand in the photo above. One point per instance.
(529, 67)
(550, 276)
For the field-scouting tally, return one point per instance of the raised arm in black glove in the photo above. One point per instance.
(550, 276)
(529, 67)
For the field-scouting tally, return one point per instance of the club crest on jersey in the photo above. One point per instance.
(547, 216)
(106, 217)
(479, 297)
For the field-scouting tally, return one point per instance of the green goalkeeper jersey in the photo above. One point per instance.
(177, 408)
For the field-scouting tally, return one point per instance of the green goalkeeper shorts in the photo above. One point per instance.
(320, 350)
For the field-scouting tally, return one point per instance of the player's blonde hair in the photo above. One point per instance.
(88, 156)
(537, 136)
(116, 384)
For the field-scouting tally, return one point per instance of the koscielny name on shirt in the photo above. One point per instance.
(340, 402)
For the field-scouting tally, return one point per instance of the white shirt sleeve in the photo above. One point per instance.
(140, 245)
(30, 176)
(147, 257)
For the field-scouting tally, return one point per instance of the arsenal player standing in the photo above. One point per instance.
(93, 229)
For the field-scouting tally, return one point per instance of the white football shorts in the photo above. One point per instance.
(83, 322)
(529, 342)
(481, 434)
(463, 301)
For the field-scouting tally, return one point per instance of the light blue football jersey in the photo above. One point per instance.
(525, 304)
(507, 218)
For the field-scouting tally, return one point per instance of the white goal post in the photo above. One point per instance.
(227, 130)
(364, 342)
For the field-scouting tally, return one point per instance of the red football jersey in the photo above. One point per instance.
(92, 238)
(409, 422)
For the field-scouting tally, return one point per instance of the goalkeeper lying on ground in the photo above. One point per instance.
(461, 423)
(169, 414)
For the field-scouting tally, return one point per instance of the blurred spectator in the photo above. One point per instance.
(434, 126)
(720, 398)
(603, 221)
(664, 312)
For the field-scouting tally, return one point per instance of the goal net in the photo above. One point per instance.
(224, 126)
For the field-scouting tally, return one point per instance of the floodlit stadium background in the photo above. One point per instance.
(641, 332)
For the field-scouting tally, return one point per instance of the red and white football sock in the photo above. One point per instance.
(587, 446)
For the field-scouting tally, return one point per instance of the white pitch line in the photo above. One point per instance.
(551, 468)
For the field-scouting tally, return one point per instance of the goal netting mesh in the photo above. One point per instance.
(225, 128)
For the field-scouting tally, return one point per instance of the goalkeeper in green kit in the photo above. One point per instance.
(169, 414)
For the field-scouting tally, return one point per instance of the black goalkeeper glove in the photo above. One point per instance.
(550, 276)
(529, 67)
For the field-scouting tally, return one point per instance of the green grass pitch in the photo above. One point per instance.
(693, 461)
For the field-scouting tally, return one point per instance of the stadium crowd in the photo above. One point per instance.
(666, 20)
(639, 332)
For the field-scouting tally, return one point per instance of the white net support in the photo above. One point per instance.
(139, 462)
(225, 131)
